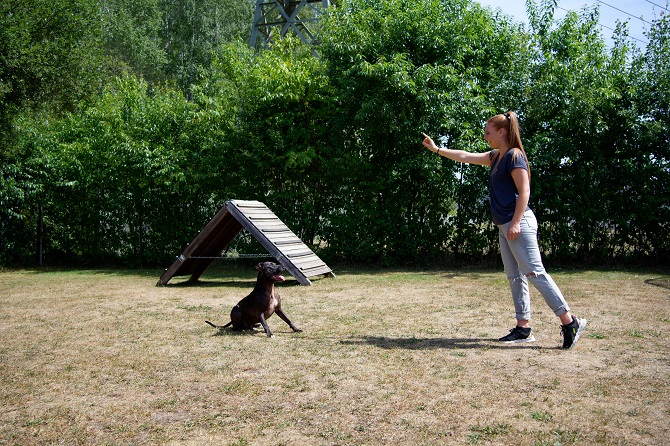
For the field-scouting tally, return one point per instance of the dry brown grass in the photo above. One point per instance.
(386, 358)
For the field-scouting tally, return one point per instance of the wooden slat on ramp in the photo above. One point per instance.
(264, 225)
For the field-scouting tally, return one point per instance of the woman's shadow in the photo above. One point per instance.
(433, 343)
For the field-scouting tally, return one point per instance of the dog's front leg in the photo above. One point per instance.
(285, 318)
(266, 326)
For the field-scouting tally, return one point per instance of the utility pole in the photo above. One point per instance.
(273, 19)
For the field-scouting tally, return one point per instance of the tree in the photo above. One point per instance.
(647, 226)
(330, 143)
(399, 71)
(279, 148)
(116, 178)
(565, 121)
(50, 58)
(587, 118)
(192, 31)
(133, 37)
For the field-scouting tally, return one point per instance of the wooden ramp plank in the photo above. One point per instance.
(287, 248)
(269, 228)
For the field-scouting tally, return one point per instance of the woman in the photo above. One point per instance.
(509, 192)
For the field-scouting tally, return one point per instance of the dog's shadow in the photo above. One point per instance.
(227, 332)
(433, 343)
(252, 332)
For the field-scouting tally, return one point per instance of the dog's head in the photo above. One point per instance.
(271, 271)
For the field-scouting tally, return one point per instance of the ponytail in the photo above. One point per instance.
(510, 122)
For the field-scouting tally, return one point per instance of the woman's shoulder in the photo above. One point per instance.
(516, 156)
(513, 152)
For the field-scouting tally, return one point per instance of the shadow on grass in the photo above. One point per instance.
(230, 332)
(45, 270)
(435, 343)
(248, 284)
(663, 282)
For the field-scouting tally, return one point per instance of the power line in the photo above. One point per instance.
(627, 13)
(607, 27)
(631, 37)
(662, 7)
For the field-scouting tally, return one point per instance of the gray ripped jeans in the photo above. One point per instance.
(522, 261)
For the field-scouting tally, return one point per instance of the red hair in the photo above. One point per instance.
(510, 123)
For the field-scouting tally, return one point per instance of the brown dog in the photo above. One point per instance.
(261, 303)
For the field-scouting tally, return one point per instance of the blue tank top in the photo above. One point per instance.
(502, 190)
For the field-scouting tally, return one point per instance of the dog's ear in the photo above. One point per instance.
(259, 267)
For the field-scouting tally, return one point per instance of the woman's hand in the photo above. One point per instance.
(428, 143)
(514, 231)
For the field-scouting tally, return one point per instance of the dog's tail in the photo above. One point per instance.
(220, 327)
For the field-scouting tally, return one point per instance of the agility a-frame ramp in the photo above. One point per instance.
(264, 225)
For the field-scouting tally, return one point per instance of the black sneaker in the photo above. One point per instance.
(518, 335)
(572, 331)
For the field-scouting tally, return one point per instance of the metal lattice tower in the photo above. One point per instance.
(275, 18)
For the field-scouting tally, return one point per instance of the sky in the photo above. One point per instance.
(610, 11)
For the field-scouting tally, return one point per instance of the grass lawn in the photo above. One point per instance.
(388, 357)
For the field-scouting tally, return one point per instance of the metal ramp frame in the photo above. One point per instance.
(264, 225)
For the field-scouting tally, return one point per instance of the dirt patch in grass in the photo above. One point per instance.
(386, 357)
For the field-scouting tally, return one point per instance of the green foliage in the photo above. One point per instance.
(648, 229)
(565, 118)
(50, 57)
(193, 30)
(399, 71)
(171, 39)
(116, 181)
(586, 122)
(133, 37)
(193, 117)
(277, 151)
